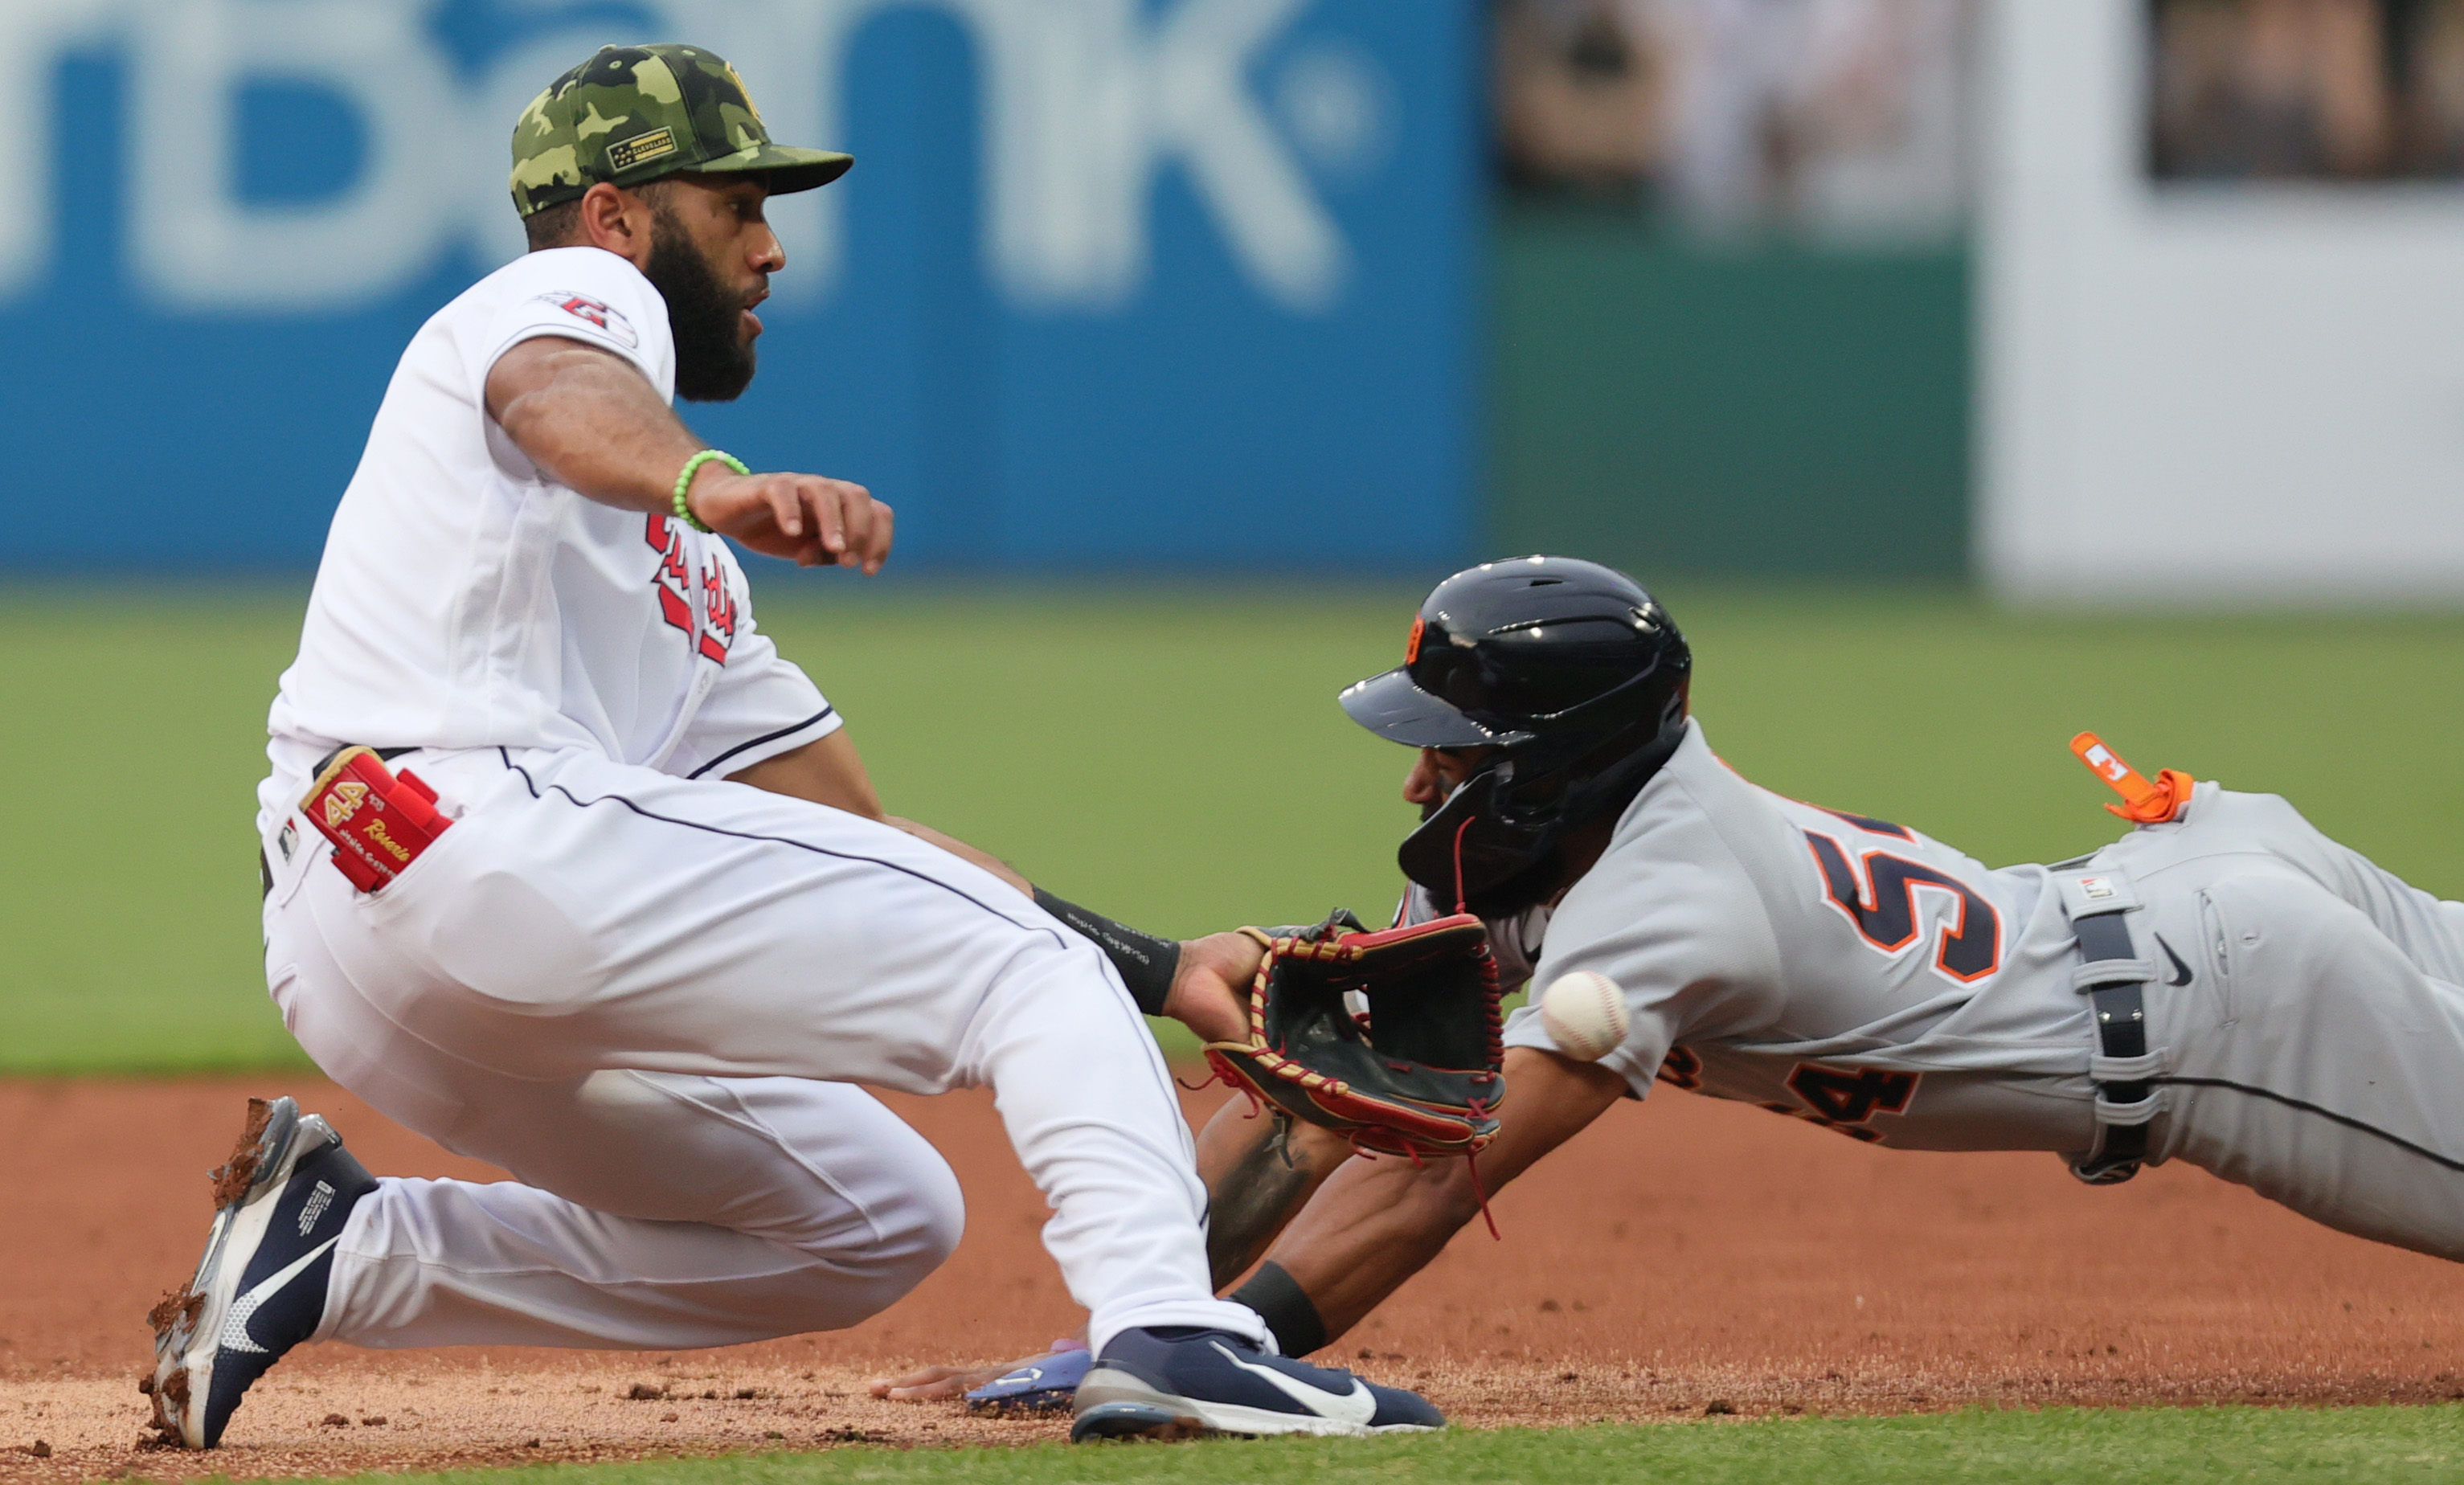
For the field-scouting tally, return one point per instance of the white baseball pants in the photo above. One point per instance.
(648, 999)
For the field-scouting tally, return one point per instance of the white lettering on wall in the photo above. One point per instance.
(195, 243)
(1085, 103)
(32, 34)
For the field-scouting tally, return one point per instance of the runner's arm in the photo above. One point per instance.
(1375, 1223)
(1260, 1167)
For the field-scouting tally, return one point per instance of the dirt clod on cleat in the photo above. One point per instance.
(234, 1176)
(177, 1306)
(170, 1400)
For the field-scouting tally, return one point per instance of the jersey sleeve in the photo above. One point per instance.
(585, 295)
(1680, 932)
(762, 706)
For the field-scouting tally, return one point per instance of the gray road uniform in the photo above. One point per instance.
(2304, 1029)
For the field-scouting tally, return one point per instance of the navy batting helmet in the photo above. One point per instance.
(1572, 673)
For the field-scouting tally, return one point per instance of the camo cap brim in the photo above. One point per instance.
(633, 114)
(790, 169)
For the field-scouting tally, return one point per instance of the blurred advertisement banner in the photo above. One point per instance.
(1732, 281)
(1114, 282)
(1839, 120)
(2349, 90)
(2222, 314)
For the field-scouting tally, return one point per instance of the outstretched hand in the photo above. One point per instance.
(1210, 994)
(948, 1384)
(810, 520)
(933, 1384)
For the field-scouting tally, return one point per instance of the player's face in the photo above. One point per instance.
(1438, 771)
(712, 256)
(723, 216)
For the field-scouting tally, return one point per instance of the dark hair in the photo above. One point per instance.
(553, 226)
(561, 225)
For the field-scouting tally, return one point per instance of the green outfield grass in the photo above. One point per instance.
(2381, 1446)
(1175, 757)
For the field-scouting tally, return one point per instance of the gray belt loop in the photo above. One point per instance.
(2114, 979)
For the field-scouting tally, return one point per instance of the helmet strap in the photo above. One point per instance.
(1459, 876)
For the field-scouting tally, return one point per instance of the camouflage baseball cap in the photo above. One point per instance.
(630, 115)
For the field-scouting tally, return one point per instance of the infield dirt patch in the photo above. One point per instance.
(1680, 1258)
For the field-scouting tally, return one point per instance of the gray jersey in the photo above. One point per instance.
(1831, 967)
(2305, 1008)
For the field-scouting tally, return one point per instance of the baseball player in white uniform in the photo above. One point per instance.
(568, 869)
(2224, 985)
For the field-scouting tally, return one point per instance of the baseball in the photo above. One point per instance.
(1585, 1015)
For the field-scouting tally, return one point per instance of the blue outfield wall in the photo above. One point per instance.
(1177, 283)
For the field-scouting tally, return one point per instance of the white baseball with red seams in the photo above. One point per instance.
(1585, 1015)
(649, 993)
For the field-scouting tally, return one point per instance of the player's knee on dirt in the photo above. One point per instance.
(923, 1231)
(910, 1217)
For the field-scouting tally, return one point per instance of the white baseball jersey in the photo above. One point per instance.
(644, 989)
(466, 599)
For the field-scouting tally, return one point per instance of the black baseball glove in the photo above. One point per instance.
(1418, 1073)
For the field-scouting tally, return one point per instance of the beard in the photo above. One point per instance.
(713, 358)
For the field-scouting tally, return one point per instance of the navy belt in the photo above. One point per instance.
(2114, 979)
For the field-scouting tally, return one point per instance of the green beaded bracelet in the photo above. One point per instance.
(684, 482)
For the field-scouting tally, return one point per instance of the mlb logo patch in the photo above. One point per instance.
(2090, 893)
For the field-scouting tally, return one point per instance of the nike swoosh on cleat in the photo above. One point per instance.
(2179, 968)
(1356, 1407)
(235, 1335)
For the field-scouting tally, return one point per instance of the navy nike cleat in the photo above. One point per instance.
(1174, 1382)
(279, 1206)
(1040, 1383)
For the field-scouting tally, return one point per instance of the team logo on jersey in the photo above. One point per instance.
(703, 606)
(591, 311)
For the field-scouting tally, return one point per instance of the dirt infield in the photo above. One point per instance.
(1680, 1256)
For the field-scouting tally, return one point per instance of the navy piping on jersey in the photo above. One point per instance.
(817, 718)
(578, 802)
(2330, 1115)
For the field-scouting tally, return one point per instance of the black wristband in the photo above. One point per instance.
(1147, 963)
(1280, 1302)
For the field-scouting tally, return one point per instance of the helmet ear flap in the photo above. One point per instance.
(1491, 848)
(1463, 845)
